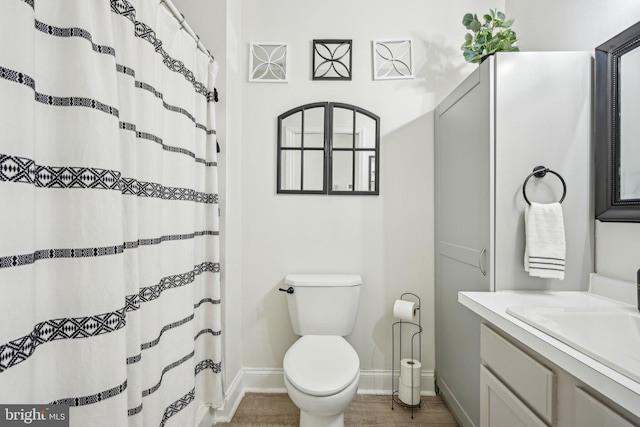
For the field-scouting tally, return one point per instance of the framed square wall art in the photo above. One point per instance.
(392, 59)
(268, 62)
(331, 59)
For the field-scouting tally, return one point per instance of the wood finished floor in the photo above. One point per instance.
(261, 409)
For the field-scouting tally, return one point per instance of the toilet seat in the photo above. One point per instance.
(321, 365)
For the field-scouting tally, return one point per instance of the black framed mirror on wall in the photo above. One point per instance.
(328, 148)
(617, 131)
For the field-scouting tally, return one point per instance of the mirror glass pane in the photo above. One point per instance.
(314, 139)
(314, 127)
(630, 125)
(365, 171)
(341, 174)
(365, 131)
(313, 170)
(342, 139)
(290, 169)
(292, 130)
(342, 128)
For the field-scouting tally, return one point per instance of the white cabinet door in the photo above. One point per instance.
(590, 412)
(501, 408)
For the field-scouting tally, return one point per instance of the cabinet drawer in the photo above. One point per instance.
(533, 382)
(590, 412)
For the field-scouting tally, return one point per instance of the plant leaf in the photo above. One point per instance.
(468, 55)
(475, 26)
(493, 45)
(467, 20)
(471, 56)
(465, 45)
(501, 16)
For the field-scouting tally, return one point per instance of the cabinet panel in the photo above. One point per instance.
(463, 166)
(462, 231)
(534, 382)
(590, 412)
(500, 407)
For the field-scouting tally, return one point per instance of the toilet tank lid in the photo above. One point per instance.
(323, 279)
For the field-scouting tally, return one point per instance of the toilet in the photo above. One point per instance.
(321, 369)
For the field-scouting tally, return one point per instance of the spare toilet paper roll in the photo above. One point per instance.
(409, 395)
(410, 371)
(404, 310)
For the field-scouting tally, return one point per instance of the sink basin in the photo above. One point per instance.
(609, 335)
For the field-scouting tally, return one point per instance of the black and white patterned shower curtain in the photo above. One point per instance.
(109, 252)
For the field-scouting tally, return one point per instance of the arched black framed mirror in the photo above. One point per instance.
(617, 98)
(328, 148)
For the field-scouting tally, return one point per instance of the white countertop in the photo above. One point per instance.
(492, 306)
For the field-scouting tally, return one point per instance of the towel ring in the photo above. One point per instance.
(540, 172)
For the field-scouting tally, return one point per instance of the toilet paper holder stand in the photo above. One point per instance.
(414, 331)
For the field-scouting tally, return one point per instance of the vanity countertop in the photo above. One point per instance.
(492, 306)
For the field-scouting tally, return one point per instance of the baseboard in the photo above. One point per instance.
(379, 382)
(454, 406)
(252, 380)
(233, 396)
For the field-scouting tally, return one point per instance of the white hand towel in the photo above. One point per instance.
(545, 248)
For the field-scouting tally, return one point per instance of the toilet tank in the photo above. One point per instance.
(323, 304)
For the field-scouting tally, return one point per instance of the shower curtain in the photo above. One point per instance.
(109, 252)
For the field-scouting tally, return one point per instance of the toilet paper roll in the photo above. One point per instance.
(404, 310)
(410, 369)
(409, 395)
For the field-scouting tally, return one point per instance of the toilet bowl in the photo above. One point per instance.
(321, 374)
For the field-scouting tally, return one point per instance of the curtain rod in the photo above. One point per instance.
(183, 23)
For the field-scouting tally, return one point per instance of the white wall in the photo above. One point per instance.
(388, 239)
(583, 25)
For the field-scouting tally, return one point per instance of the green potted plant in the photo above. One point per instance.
(494, 35)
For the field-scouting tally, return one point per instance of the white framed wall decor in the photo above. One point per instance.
(392, 59)
(268, 62)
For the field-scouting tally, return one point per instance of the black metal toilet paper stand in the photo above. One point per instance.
(416, 333)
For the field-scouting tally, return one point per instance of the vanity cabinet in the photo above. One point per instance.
(516, 111)
(521, 388)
